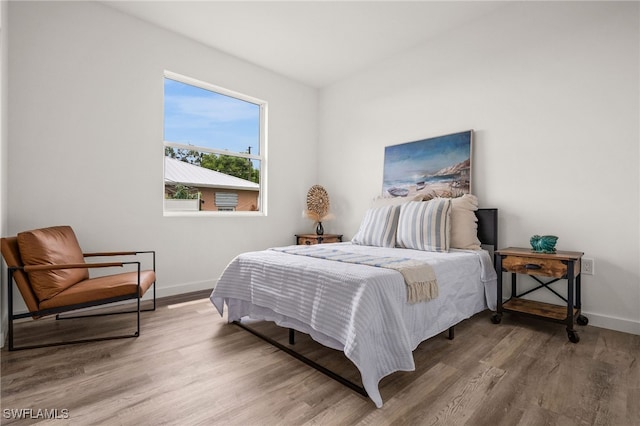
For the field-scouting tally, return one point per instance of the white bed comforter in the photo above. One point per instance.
(358, 309)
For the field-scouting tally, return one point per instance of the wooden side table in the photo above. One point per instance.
(557, 266)
(309, 239)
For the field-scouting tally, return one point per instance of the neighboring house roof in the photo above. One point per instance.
(176, 171)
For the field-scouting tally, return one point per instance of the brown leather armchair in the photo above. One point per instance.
(49, 269)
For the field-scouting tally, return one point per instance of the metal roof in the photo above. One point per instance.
(176, 171)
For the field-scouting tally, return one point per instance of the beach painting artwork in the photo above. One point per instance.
(439, 167)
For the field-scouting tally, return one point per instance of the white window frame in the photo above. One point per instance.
(262, 156)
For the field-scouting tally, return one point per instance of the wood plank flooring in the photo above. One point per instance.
(189, 367)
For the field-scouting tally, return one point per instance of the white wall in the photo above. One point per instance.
(552, 92)
(4, 85)
(85, 139)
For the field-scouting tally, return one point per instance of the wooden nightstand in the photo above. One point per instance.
(557, 266)
(309, 239)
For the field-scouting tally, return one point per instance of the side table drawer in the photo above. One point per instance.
(318, 239)
(307, 241)
(535, 266)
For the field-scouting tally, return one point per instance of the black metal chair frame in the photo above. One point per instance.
(59, 310)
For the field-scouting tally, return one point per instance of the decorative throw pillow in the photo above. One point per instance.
(378, 228)
(394, 201)
(52, 246)
(464, 223)
(425, 225)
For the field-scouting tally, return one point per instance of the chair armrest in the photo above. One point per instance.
(33, 268)
(112, 253)
(124, 253)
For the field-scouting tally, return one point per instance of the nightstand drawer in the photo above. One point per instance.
(309, 239)
(535, 266)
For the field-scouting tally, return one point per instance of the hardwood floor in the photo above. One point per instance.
(190, 367)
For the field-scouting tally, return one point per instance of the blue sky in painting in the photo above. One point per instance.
(415, 160)
(201, 117)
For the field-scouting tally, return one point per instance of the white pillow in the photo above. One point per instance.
(464, 223)
(378, 228)
(425, 225)
(394, 201)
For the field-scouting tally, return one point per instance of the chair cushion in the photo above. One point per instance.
(102, 288)
(52, 246)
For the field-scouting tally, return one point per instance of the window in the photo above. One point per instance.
(214, 149)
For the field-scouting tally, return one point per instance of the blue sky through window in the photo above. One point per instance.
(196, 116)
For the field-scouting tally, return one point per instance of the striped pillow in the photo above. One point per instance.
(378, 228)
(425, 225)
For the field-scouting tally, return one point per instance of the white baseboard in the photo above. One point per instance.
(613, 323)
(185, 288)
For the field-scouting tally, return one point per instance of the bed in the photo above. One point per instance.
(360, 309)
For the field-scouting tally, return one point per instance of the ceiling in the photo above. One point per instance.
(314, 42)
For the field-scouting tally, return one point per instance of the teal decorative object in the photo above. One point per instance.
(544, 244)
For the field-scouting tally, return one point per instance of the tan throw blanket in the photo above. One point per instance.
(418, 275)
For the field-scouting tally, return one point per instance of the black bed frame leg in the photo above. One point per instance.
(292, 336)
(451, 333)
(309, 362)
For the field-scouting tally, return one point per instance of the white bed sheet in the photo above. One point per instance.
(358, 309)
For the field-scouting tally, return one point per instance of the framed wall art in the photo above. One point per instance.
(439, 166)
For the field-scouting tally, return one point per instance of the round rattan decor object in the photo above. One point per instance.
(317, 203)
